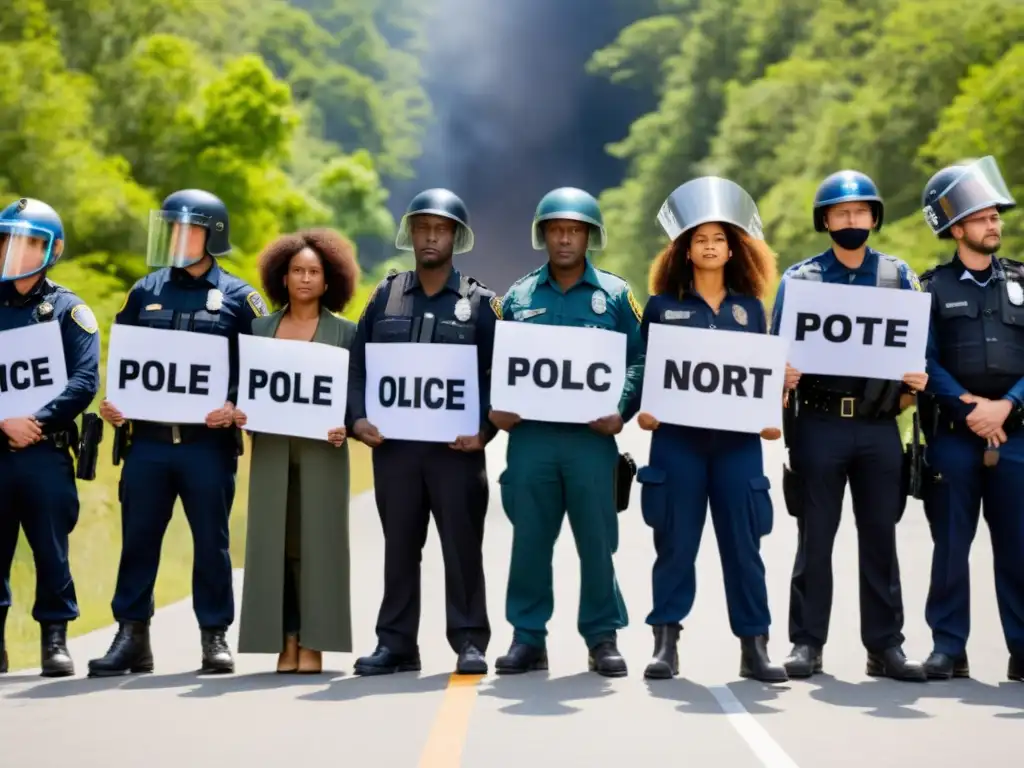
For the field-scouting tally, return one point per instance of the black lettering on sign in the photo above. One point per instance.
(25, 374)
(284, 387)
(733, 380)
(550, 374)
(417, 392)
(840, 328)
(155, 376)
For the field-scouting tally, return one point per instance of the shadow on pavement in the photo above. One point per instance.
(696, 699)
(896, 700)
(357, 687)
(537, 693)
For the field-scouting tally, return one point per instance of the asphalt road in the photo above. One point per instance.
(707, 717)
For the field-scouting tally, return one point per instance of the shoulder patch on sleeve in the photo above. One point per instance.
(255, 302)
(634, 305)
(85, 319)
(496, 306)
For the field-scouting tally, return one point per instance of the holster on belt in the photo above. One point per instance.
(792, 483)
(625, 471)
(122, 442)
(89, 446)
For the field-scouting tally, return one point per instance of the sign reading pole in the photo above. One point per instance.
(557, 373)
(424, 392)
(726, 380)
(852, 330)
(294, 388)
(174, 377)
(33, 371)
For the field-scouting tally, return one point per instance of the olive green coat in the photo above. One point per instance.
(323, 493)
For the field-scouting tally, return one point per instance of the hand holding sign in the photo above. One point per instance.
(647, 422)
(22, 432)
(504, 420)
(110, 414)
(468, 443)
(916, 381)
(608, 425)
(792, 377)
(366, 433)
(221, 417)
(336, 436)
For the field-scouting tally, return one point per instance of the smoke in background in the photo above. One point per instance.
(517, 115)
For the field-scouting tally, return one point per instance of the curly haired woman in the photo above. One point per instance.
(295, 596)
(713, 275)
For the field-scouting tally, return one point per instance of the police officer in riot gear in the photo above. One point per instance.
(37, 472)
(844, 428)
(432, 304)
(197, 463)
(973, 411)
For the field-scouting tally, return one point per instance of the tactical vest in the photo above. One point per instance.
(876, 391)
(398, 324)
(980, 331)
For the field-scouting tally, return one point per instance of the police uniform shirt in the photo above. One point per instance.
(375, 326)
(599, 299)
(79, 331)
(215, 302)
(976, 343)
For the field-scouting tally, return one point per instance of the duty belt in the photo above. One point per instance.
(838, 404)
(170, 433)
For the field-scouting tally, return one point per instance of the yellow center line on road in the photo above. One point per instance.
(448, 734)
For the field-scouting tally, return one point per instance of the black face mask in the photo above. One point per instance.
(850, 239)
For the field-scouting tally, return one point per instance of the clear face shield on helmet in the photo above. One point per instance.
(25, 250)
(980, 186)
(462, 243)
(709, 199)
(176, 238)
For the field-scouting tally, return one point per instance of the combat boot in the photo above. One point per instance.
(130, 652)
(803, 661)
(1015, 669)
(942, 666)
(893, 663)
(53, 641)
(755, 664)
(384, 661)
(217, 659)
(605, 659)
(471, 661)
(665, 663)
(522, 658)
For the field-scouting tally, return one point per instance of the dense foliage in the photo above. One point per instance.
(776, 94)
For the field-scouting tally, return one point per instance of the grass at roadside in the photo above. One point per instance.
(96, 547)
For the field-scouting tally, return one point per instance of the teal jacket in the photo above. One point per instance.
(537, 298)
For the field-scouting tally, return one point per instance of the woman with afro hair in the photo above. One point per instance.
(295, 596)
(714, 275)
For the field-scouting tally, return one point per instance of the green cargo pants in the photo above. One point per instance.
(554, 469)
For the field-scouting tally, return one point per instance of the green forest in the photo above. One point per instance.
(302, 112)
(777, 94)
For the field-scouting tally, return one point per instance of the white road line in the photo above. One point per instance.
(761, 744)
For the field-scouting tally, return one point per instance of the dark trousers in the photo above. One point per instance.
(39, 495)
(155, 475)
(411, 480)
(688, 469)
(953, 505)
(828, 451)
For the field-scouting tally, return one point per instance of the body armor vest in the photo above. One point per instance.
(398, 324)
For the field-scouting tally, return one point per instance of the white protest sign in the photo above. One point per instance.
(424, 392)
(33, 371)
(174, 377)
(714, 379)
(853, 330)
(557, 373)
(294, 388)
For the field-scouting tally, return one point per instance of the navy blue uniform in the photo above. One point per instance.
(190, 461)
(413, 479)
(38, 482)
(846, 430)
(691, 466)
(976, 347)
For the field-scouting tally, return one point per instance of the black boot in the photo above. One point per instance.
(522, 658)
(3, 647)
(754, 661)
(893, 663)
(605, 659)
(217, 659)
(1015, 669)
(471, 661)
(803, 661)
(130, 652)
(941, 666)
(384, 661)
(53, 641)
(665, 663)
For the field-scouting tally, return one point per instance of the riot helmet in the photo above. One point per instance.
(190, 225)
(961, 189)
(847, 187)
(31, 239)
(437, 202)
(573, 204)
(708, 199)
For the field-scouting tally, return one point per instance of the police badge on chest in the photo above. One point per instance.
(1014, 293)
